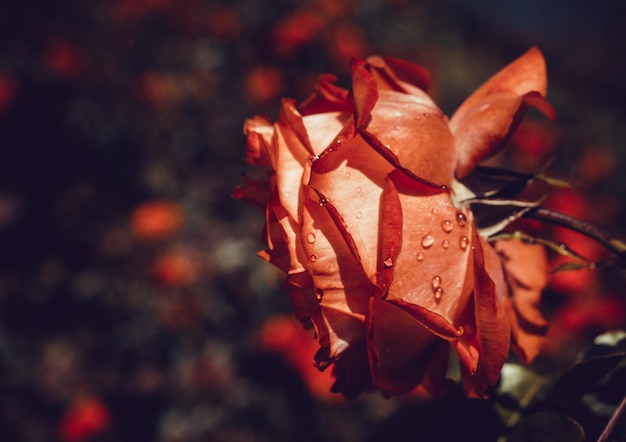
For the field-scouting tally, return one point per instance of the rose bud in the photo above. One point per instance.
(369, 208)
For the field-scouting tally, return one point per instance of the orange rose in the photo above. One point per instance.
(369, 214)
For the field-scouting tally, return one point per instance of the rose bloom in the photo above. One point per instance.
(368, 205)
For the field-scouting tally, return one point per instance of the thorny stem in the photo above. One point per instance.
(564, 220)
(609, 427)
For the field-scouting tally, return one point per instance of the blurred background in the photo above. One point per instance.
(133, 306)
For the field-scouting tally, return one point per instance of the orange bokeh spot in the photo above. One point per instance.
(174, 268)
(155, 220)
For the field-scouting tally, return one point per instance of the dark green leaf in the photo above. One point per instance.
(547, 426)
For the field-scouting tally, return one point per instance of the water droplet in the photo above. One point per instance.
(591, 265)
(323, 201)
(347, 174)
(312, 258)
(434, 211)
(358, 190)
(438, 294)
(338, 140)
(388, 146)
(428, 240)
(313, 158)
(388, 262)
(319, 293)
(420, 256)
(445, 244)
(287, 195)
(310, 237)
(359, 214)
(446, 225)
(484, 107)
(436, 282)
(426, 115)
(397, 128)
(460, 331)
(563, 246)
(444, 188)
(463, 242)
(461, 219)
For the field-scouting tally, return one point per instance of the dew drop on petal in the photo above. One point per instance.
(420, 257)
(388, 262)
(446, 225)
(428, 240)
(434, 211)
(460, 331)
(312, 258)
(436, 282)
(461, 219)
(463, 242)
(347, 174)
(358, 190)
(438, 294)
(445, 244)
(484, 107)
(319, 293)
(359, 214)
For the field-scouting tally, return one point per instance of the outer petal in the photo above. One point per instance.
(400, 75)
(486, 119)
(259, 132)
(340, 284)
(526, 268)
(492, 328)
(292, 149)
(351, 176)
(525, 74)
(327, 98)
(399, 347)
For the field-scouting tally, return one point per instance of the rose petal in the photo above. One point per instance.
(400, 75)
(412, 134)
(361, 172)
(339, 280)
(485, 120)
(322, 129)
(525, 74)
(327, 98)
(492, 328)
(527, 272)
(292, 149)
(399, 347)
(259, 131)
(431, 268)
(485, 128)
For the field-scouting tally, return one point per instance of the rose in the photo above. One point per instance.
(368, 207)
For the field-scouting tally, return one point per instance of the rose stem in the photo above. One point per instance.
(564, 220)
(609, 427)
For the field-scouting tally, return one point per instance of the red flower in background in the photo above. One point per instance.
(369, 214)
(86, 418)
(154, 220)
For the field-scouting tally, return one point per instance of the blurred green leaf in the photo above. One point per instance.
(547, 426)
(584, 376)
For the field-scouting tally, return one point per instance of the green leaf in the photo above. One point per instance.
(547, 426)
(584, 377)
